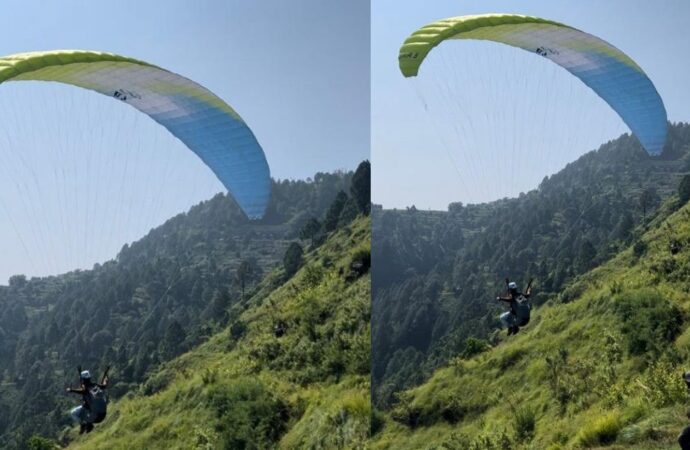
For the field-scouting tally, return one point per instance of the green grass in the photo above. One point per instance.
(599, 368)
(248, 387)
(600, 430)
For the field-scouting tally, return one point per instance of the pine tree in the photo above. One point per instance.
(361, 187)
(292, 260)
(684, 189)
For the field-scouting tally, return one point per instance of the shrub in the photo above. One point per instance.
(360, 262)
(639, 248)
(572, 292)
(238, 329)
(269, 351)
(335, 360)
(204, 438)
(474, 346)
(251, 416)
(403, 412)
(665, 267)
(377, 422)
(650, 322)
(491, 440)
(313, 275)
(158, 382)
(601, 430)
(453, 412)
(406, 415)
(616, 287)
(662, 384)
(209, 376)
(41, 443)
(524, 423)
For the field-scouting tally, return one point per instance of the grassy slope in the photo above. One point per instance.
(323, 412)
(615, 399)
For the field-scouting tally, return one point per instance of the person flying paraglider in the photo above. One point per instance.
(520, 308)
(94, 401)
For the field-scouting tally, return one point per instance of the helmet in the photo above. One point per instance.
(512, 285)
(85, 375)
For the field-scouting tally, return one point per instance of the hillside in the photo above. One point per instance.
(435, 271)
(291, 370)
(599, 366)
(160, 297)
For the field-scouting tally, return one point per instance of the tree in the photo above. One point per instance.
(333, 214)
(586, 256)
(173, 338)
(17, 281)
(292, 260)
(455, 208)
(684, 189)
(310, 229)
(624, 227)
(243, 275)
(360, 190)
(217, 310)
(648, 199)
(238, 329)
(53, 332)
(101, 340)
(348, 213)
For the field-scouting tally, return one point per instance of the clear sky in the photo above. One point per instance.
(485, 121)
(84, 174)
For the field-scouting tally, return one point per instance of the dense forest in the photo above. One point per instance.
(162, 296)
(437, 272)
(600, 364)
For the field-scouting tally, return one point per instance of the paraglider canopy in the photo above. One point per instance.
(609, 72)
(202, 121)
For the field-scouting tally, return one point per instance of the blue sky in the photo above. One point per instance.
(428, 156)
(297, 72)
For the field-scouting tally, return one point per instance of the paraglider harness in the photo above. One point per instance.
(520, 306)
(94, 398)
